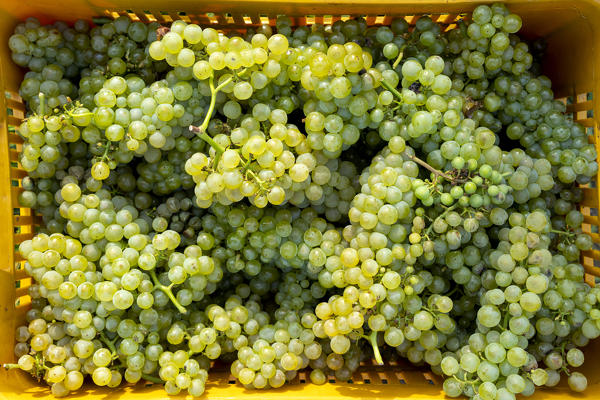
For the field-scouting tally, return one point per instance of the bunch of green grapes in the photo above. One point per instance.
(504, 91)
(58, 55)
(299, 198)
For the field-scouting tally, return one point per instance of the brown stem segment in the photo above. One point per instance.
(429, 167)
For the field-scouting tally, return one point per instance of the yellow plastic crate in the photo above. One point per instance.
(570, 27)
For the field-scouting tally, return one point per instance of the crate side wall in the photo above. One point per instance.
(567, 25)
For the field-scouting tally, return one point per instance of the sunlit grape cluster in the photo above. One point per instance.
(301, 198)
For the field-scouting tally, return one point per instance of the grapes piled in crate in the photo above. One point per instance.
(301, 198)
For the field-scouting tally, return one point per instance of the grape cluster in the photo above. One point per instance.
(57, 56)
(301, 198)
(504, 93)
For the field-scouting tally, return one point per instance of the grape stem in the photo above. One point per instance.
(429, 167)
(69, 108)
(433, 313)
(111, 345)
(399, 58)
(505, 322)
(375, 346)
(201, 130)
(562, 232)
(11, 366)
(442, 215)
(152, 379)
(465, 382)
(247, 163)
(452, 291)
(167, 290)
(42, 109)
(204, 136)
(261, 183)
(105, 155)
(391, 89)
(565, 370)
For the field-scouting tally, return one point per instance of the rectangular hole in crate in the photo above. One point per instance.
(183, 16)
(411, 19)
(22, 301)
(264, 19)
(149, 16)
(400, 377)
(133, 16)
(581, 97)
(165, 16)
(247, 19)
(111, 14)
(430, 378)
(447, 19)
(229, 18)
(212, 18)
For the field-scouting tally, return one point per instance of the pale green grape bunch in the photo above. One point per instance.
(300, 198)
(252, 163)
(515, 343)
(520, 100)
(58, 55)
(270, 168)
